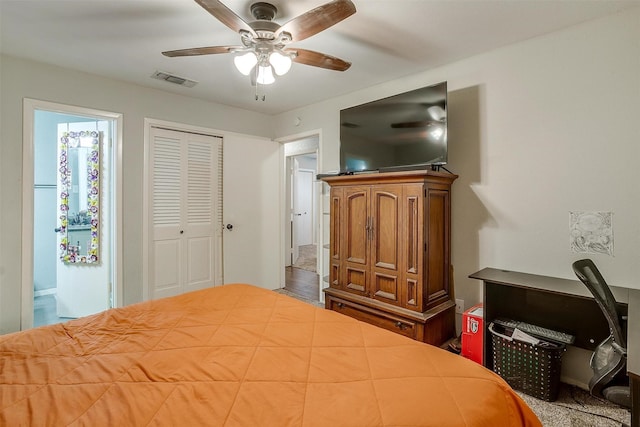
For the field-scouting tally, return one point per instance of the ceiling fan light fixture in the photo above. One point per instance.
(263, 50)
(265, 75)
(281, 63)
(245, 63)
(437, 132)
(436, 112)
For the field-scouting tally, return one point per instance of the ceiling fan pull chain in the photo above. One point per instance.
(257, 86)
(255, 70)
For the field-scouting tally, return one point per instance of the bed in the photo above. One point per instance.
(240, 355)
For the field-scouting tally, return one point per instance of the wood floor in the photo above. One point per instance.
(302, 282)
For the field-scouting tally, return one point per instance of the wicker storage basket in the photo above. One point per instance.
(532, 369)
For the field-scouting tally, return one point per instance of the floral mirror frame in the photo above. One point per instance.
(88, 218)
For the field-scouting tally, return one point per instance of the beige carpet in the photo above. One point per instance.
(577, 408)
(307, 258)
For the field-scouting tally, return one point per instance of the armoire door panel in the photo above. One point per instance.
(386, 215)
(334, 275)
(336, 229)
(385, 287)
(335, 223)
(355, 227)
(356, 279)
(412, 299)
(412, 229)
(413, 248)
(437, 245)
(385, 250)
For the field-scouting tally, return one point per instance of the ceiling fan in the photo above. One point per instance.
(264, 46)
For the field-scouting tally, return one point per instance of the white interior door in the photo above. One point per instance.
(84, 289)
(303, 207)
(185, 215)
(253, 248)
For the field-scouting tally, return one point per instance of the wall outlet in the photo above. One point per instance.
(459, 306)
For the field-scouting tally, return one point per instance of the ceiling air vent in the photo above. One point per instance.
(172, 78)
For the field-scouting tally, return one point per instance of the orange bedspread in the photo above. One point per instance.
(238, 355)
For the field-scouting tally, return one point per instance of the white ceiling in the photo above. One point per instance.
(384, 40)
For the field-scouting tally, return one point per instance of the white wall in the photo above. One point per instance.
(537, 129)
(21, 79)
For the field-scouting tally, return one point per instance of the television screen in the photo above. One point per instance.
(404, 131)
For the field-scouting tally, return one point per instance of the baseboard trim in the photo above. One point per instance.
(42, 292)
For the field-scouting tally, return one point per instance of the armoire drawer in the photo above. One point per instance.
(372, 316)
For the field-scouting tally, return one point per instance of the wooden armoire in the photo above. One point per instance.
(389, 252)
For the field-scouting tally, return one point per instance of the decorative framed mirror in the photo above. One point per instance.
(79, 175)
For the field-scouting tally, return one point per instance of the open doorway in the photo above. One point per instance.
(301, 210)
(69, 201)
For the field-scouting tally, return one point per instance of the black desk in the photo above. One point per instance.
(559, 304)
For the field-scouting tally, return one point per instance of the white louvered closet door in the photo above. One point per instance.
(186, 212)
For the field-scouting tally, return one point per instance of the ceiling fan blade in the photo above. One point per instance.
(194, 51)
(316, 20)
(317, 59)
(225, 15)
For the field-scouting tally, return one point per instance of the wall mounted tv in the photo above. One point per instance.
(404, 131)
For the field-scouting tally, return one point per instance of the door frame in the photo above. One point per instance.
(285, 217)
(28, 109)
(146, 182)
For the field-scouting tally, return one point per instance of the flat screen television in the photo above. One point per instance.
(404, 131)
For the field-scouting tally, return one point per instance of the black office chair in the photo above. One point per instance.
(609, 359)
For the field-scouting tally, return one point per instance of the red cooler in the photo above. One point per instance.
(472, 331)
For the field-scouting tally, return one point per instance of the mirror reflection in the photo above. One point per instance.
(79, 155)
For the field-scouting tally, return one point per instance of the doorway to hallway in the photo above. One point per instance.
(301, 208)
